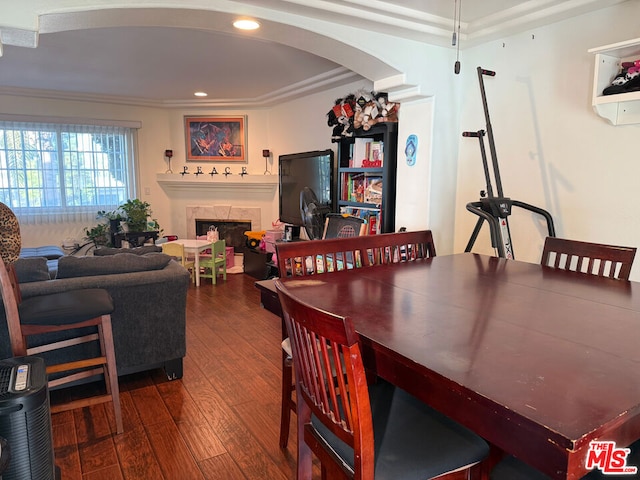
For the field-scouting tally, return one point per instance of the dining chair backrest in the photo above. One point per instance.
(175, 250)
(590, 258)
(326, 256)
(218, 249)
(331, 377)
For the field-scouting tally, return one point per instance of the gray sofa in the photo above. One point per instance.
(149, 292)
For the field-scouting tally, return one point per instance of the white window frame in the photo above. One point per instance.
(66, 180)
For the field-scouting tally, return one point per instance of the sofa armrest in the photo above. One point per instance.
(149, 320)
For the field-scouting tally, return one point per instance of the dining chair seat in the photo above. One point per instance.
(513, 469)
(411, 440)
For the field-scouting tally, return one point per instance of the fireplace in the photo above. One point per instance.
(231, 222)
(231, 231)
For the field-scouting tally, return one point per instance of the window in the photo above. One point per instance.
(64, 173)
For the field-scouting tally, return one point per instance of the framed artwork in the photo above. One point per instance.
(216, 138)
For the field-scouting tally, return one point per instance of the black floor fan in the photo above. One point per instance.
(313, 213)
(494, 209)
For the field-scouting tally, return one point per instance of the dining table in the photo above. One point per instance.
(538, 361)
(195, 247)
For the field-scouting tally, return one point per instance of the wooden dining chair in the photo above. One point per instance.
(216, 264)
(176, 250)
(323, 257)
(359, 431)
(584, 257)
(591, 258)
(45, 323)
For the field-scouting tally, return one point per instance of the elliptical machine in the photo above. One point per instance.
(493, 209)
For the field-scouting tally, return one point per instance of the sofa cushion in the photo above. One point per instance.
(69, 266)
(32, 269)
(99, 252)
(50, 252)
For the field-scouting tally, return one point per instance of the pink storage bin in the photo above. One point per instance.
(229, 251)
(231, 261)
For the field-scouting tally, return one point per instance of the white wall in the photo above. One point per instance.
(291, 127)
(155, 128)
(554, 151)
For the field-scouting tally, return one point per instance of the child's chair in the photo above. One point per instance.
(216, 264)
(176, 250)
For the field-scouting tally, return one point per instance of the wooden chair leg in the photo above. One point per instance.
(285, 407)
(111, 372)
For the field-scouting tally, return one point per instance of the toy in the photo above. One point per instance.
(340, 117)
(254, 237)
(361, 111)
(388, 110)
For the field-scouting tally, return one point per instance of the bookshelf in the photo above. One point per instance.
(367, 176)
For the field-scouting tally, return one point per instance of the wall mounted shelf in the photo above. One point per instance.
(265, 184)
(624, 108)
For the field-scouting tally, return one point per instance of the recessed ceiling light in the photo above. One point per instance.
(200, 94)
(246, 24)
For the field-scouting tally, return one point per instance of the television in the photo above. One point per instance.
(308, 169)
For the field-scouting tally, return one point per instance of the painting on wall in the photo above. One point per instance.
(216, 138)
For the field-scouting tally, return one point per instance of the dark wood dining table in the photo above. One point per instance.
(538, 361)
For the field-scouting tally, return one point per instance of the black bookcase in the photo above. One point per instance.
(368, 189)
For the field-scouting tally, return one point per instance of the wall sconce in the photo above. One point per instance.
(168, 154)
(266, 154)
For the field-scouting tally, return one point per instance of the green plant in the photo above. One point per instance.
(112, 215)
(99, 235)
(136, 212)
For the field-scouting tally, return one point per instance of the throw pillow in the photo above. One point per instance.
(70, 266)
(10, 239)
(33, 269)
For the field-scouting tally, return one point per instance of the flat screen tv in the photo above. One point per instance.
(307, 169)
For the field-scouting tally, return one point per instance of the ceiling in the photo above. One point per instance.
(163, 63)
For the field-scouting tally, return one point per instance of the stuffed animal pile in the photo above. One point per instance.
(360, 110)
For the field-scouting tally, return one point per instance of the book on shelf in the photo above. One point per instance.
(361, 187)
(373, 190)
(361, 151)
(375, 156)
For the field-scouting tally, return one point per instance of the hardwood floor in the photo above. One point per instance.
(220, 421)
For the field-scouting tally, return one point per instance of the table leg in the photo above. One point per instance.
(197, 267)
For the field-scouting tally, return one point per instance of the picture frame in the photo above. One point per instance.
(216, 138)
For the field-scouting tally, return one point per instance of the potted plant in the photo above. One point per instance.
(136, 214)
(100, 235)
(115, 219)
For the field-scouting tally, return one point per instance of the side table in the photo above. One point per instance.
(135, 239)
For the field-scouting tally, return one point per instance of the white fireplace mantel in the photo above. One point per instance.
(266, 184)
